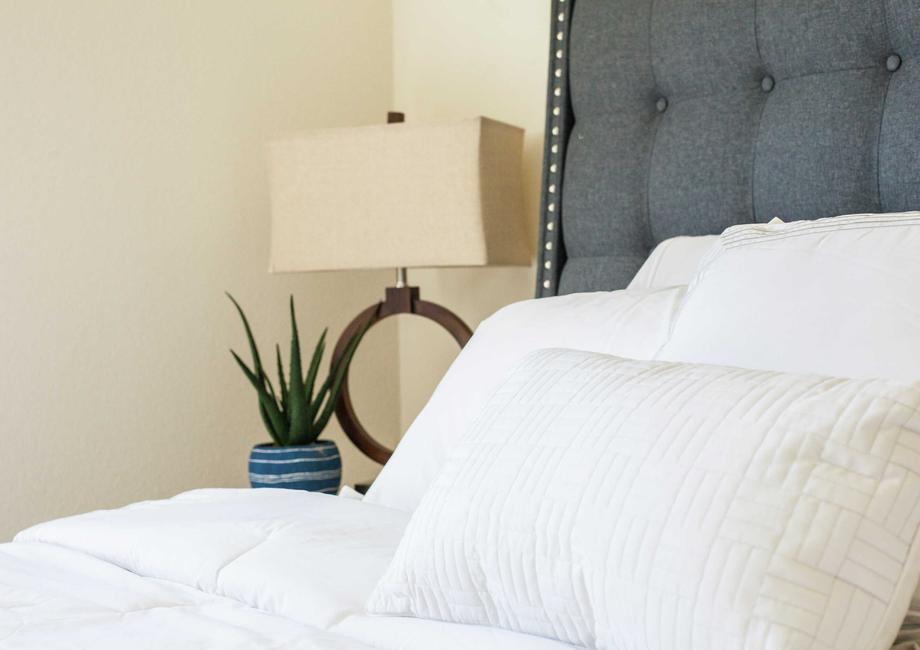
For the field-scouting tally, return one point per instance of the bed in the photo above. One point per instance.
(664, 118)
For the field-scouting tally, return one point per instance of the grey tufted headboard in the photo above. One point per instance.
(682, 117)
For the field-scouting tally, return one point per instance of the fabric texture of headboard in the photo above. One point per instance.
(683, 117)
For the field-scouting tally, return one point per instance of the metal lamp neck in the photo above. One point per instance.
(401, 280)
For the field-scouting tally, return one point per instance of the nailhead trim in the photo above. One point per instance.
(558, 89)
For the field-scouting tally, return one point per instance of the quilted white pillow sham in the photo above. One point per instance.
(622, 504)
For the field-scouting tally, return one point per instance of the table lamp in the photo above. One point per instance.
(397, 196)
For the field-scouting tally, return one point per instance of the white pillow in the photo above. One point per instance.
(628, 323)
(673, 262)
(835, 296)
(638, 504)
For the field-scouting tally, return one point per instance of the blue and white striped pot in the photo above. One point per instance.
(316, 467)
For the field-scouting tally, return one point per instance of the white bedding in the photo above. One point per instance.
(626, 505)
(217, 569)
(287, 569)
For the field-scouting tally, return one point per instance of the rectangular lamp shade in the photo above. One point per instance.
(398, 195)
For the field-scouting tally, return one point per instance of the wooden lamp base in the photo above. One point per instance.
(399, 300)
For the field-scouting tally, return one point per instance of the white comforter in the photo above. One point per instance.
(221, 569)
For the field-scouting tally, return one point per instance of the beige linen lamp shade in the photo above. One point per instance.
(398, 195)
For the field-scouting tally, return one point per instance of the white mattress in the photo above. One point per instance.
(217, 569)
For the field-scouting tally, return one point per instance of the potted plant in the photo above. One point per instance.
(295, 415)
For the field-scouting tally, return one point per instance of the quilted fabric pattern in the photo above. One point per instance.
(684, 117)
(640, 505)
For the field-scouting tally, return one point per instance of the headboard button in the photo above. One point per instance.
(661, 104)
(893, 63)
(768, 83)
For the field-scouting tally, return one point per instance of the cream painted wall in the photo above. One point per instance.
(455, 60)
(132, 193)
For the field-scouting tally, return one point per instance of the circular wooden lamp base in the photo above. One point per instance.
(399, 300)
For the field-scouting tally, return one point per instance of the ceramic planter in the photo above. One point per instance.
(316, 467)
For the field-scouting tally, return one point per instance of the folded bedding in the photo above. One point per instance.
(217, 569)
(287, 552)
(174, 574)
(53, 597)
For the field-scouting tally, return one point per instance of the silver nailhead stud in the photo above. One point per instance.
(546, 284)
(558, 72)
(555, 148)
(558, 92)
(551, 207)
(556, 111)
(561, 17)
(549, 245)
(547, 265)
(559, 36)
(550, 225)
(552, 168)
(555, 130)
(558, 54)
(552, 189)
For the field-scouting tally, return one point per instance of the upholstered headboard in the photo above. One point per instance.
(683, 117)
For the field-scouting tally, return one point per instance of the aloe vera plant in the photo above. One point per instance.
(299, 411)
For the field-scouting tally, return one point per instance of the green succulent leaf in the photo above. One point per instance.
(282, 386)
(298, 408)
(337, 376)
(253, 348)
(283, 433)
(274, 419)
(267, 423)
(310, 381)
(269, 386)
(257, 370)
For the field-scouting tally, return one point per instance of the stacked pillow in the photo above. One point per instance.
(673, 262)
(615, 503)
(670, 504)
(627, 323)
(835, 296)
